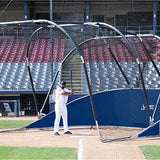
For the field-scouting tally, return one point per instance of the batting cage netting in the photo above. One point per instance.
(92, 57)
(114, 64)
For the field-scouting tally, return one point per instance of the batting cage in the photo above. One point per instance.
(115, 69)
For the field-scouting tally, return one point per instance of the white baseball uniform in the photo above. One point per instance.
(60, 109)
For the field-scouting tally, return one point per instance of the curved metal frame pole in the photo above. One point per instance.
(29, 70)
(58, 72)
(104, 25)
(52, 84)
(87, 78)
(86, 74)
(140, 71)
(69, 53)
(90, 39)
(79, 51)
(30, 39)
(34, 95)
(54, 80)
(83, 62)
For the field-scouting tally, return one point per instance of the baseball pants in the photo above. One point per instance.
(61, 110)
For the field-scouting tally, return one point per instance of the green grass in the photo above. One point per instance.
(30, 153)
(13, 123)
(151, 152)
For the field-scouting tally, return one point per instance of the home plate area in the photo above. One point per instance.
(85, 140)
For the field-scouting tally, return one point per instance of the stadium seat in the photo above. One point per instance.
(102, 70)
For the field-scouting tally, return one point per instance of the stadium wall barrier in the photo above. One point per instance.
(124, 107)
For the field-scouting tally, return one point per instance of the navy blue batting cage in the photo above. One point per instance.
(115, 69)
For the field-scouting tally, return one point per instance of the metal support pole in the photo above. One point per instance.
(25, 10)
(51, 35)
(148, 55)
(91, 97)
(154, 17)
(29, 71)
(34, 93)
(87, 16)
(103, 25)
(78, 49)
(51, 87)
(110, 51)
(5, 8)
(155, 110)
(87, 12)
(145, 94)
(150, 58)
(25, 18)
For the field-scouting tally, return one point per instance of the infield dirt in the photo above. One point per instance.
(91, 147)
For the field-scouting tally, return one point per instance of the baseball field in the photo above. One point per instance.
(84, 144)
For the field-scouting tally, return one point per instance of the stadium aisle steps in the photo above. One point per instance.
(73, 64)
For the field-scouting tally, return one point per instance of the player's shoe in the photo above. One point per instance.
(56, 133)
(68, 132)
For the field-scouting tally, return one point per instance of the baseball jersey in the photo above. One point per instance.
(61, 99)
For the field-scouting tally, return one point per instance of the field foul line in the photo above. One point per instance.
(80, 149)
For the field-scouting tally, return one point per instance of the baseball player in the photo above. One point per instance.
(60, 108)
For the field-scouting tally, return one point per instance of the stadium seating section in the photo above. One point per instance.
(103, 71)
(14, 74)
(100, 53)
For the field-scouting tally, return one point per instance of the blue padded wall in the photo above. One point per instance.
(124, 107)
